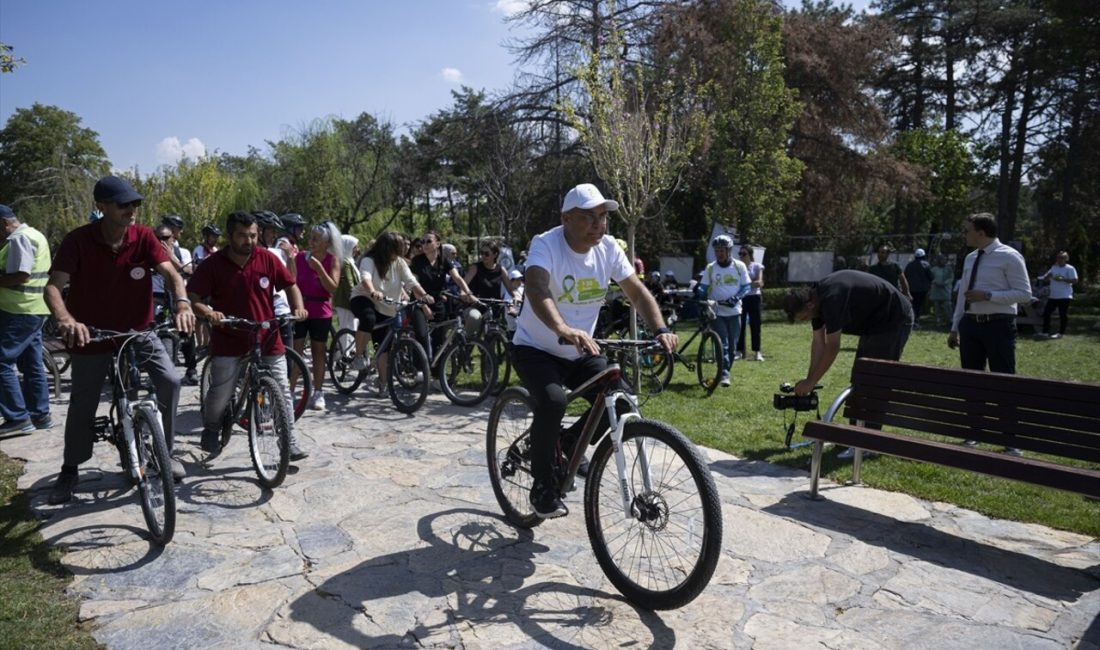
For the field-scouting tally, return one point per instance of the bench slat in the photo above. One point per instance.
(1028, 470)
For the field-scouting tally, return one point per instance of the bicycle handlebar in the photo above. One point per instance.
(242, 323)
(99, 335)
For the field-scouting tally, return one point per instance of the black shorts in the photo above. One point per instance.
(317, 328)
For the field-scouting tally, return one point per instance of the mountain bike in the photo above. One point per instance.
(495, 335)
(299, 393)
(465, 366)
(650, 505)
(708, 362)
(133, 426)
(260, 407)
(407, 382)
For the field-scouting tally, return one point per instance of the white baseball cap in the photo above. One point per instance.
(585, 196)
(514, 274)
(918, 253)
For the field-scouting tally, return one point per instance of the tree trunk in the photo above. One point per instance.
(1005, 138)
(1007, 227)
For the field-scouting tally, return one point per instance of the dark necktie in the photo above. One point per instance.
(973, 275)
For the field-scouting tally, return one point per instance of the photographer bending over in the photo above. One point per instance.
(850, 302)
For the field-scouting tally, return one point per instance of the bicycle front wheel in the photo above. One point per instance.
(341, 354)
(708, 361)
(508, 455)
(408, 380)
(156, 490)
(467, 372)
(499, 346)
(664, 552)
(302, 388)
(269, 432)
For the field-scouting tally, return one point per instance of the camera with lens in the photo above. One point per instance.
(786, 400)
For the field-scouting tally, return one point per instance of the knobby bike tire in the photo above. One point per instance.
(156, 489)
(299, 397)
(508, 455)
(204, 386)
(269, 432)
(502, 352)
(664, 555)
(408, 375)
(340, 356)
(467, 372)
(708, 361)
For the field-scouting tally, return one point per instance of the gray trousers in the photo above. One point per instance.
(223, 378)
(88, 374)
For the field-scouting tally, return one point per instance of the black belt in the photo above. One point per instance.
(985, 318)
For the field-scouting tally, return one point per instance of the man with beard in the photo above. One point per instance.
(241, 280)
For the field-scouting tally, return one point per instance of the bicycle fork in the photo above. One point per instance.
(618, 425)
(137, 472)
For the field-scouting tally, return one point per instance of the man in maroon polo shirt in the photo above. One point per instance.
(241, 281)
(108, 265)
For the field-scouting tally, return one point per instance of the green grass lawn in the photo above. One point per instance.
(34, 610)
(740, 419)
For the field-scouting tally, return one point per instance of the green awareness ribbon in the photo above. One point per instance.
(568, 283)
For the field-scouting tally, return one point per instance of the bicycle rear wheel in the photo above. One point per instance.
(303, 387)
(269, 432)
(341, 354)
(508, 455)
(156, 491)
(500, 347)
(708, 361)
(467, 372)
(408, 370)
(665, 552)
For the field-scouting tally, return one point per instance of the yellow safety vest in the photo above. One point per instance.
(28, 298)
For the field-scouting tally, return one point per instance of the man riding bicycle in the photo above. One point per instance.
(106, 265)
(567, 275)
(240, 281)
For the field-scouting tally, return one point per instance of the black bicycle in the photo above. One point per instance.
(650, 504)
(498, 339)
(708, 359)
(259, 406)
(133, 426)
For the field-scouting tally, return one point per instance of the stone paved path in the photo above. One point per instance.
(389, 536)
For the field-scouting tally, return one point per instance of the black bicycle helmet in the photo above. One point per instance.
(211, 229)
(172, 220)
(293, 220)
(268, 219)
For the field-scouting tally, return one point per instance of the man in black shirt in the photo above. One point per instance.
(890, 270)
(850, 302)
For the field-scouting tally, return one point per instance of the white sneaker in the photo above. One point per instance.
(725, 380)
(737, 356)
(359, 363)
(757, 356)
(317, 401)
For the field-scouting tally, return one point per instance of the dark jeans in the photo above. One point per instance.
(1063, 313)
(992, 341)
(88, 374)
(547, 378)
(21, 347)
(750, 313)
(918, 303)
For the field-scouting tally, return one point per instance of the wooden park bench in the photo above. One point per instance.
(939, 408)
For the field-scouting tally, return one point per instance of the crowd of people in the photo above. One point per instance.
(115, 274)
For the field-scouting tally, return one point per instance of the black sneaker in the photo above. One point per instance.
(547, 502)
(63, 489)
(582, 469)
(42, 423)
(211, 442)
(190, 378)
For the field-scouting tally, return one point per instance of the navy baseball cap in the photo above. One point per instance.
(112, 189)
(6, 212)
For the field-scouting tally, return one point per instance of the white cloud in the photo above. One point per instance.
(170, 150)
(451, 75)
(510, 7)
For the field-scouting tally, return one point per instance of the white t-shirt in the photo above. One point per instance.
(578, 284)
(397, 277)
(756, 271)
(1061, 290)
(724, 283)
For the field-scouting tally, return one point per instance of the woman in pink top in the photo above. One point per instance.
(318, 275)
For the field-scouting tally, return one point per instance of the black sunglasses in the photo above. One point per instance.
(165, 238)
(486, 253)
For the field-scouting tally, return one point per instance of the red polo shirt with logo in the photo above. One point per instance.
(245, 292)
(109, 289)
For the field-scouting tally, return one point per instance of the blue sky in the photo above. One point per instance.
(158, 79)
(240, 72)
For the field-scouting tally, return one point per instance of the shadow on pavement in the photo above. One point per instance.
(923, 542)
(477, 564)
